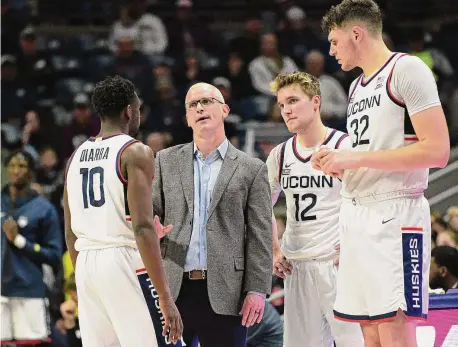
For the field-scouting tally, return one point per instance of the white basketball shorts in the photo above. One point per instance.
(111, 305)
(385, 251)
(310, 292)
(25, 320)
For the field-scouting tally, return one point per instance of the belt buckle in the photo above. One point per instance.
(194, 279)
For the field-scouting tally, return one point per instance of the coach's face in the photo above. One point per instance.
(343, 47)
(297, 108)
(205, 108)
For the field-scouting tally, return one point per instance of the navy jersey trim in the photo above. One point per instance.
(93, 138)
(307, 159)
(118, 161)
(339, 141)
(282, 158)
(364, 84)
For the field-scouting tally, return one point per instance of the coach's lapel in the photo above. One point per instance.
(186, 169)
(230, 163)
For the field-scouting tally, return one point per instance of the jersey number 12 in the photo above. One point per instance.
(301, 216)
(88, 186)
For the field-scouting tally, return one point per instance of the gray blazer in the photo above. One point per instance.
(239, 225)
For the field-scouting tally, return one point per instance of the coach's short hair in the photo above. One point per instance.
(366, 11)
(112, 95)
(309, 84)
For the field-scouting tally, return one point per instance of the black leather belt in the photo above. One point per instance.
(195, 275)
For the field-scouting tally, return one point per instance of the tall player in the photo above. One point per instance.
(398, 131)
(109, 227)
(312, 203)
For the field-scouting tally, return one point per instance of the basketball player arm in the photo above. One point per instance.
(137, 162)
(158, 194)
(70, 237)
(275, 189)
(413, 85)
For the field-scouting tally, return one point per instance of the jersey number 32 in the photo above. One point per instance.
(88, 186)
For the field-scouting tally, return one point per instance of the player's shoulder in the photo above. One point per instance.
(136, 150)
(341, 139)
(408, 63)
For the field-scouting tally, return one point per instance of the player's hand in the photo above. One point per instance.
(10, 228)
(172, 319)
(252, 309)
(282, 267)
(334, 161)
(161, 230)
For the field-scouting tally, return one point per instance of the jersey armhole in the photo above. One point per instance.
(67, 166)
(339, 141)
(388, 84)
(280, 162)
(118, 160)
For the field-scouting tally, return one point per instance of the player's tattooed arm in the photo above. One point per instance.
(70, 237)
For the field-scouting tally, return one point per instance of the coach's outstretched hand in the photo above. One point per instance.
(282, 267)
(172, 319)
(161, 230)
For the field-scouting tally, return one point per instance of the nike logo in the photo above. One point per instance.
(288, 165)
(386, 221)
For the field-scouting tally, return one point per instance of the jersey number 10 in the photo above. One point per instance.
(88, 186)
(301, 216)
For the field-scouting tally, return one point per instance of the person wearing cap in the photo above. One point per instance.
(83, 125)
(34, 66)
(30, 237)
(444, 268)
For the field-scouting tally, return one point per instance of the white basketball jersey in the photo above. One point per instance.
(378, 120)
(312, 198)
(97, 194)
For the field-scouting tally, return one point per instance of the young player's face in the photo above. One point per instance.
(205, 109)
(342, 48)
(134, 121)
(297, 108)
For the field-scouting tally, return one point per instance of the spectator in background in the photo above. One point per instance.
(16, 96)
(34, 66)
(49, 176)
(83, 125)
(268, 65)
(38, 134)
(236, 71)
(30, 237)
(444, 268)
(298, 39)
(333, 97)
(187, 33)
(124, 27)
(452, 218)
(246, 46)
(447, 238)
(156, 141)
(133, 65)
(153, 38)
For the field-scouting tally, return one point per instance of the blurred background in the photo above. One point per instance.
(53, 52)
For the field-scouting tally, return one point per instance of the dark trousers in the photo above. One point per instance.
(202, 323)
